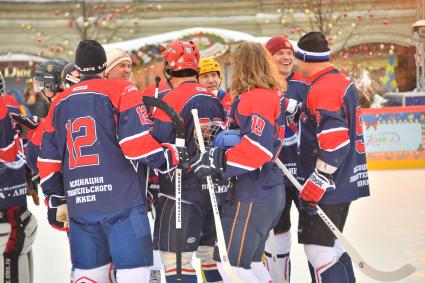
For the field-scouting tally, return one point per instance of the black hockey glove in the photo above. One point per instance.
(210, 162)
(53, 202)
(32, 185)
(25, 121)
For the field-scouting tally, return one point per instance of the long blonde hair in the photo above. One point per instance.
(253, 67)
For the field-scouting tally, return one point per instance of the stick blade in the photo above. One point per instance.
(387, 276)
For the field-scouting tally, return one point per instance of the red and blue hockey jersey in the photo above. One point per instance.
(331, 132)
(9, 137)
(97, 133)
(12, 167)
(183, 99)
(258, 114)
(297, 88)
(34, 145)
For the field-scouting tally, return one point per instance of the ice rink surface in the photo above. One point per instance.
(387, 229)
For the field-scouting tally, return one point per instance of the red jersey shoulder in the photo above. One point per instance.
(123, 94)
(11, 101)
(328, 92)
(179, 96)
(3, 108)
(263, 102)
(37, 137)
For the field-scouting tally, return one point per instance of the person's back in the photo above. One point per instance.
(332, 160)
(183, 99)
(97, 176)
(198, 231)
(333, 105)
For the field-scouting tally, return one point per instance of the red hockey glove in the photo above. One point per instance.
(176, 156)
(314, 189)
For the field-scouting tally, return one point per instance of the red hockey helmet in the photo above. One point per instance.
(179, 56)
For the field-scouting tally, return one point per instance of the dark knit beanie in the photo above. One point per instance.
(90, 57)
(313, 47)
(278, 42)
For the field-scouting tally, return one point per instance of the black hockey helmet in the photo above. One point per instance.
(70, 75)
(48, 76)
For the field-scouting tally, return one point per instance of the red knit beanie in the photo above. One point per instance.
(278, 42)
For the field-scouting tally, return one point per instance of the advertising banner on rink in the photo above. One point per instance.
(394, 137)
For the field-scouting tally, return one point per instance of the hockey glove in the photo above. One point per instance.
(25, 121)
(210, 162)
(175, 156)
(32, 185)
(53, 203)
(313, 190)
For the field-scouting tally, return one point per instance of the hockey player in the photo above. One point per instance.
(118, 64)
(283, 56)
(96, 127)
(46, 80)
(9, 141)
(17, 225)
(257, 199)
(181, 62)
(70, 75)
(332, 159)
(210, 78)
(119, 68)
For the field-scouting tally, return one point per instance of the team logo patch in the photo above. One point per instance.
(188, 50)
(49, 68)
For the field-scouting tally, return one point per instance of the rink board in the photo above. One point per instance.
(394, 137)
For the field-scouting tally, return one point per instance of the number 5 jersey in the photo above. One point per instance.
(331, 132)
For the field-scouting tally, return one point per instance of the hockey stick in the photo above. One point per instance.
(157, 80)
(221, 243)
(379, 275)
(180, 141)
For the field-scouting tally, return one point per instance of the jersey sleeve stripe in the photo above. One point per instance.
(45, 179)
(259, 146)
(234, 164)
(333, 130)
(140, 147)
(10, 146)
(333, 139)
(134, 137)
(134, 157)
(49, 160)
(8, 153)
(333, 147)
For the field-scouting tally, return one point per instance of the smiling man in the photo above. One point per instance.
(283, 56)
(210, 77)
(119, 64)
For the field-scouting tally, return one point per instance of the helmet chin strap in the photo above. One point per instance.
(168, 77)
(48, 98)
